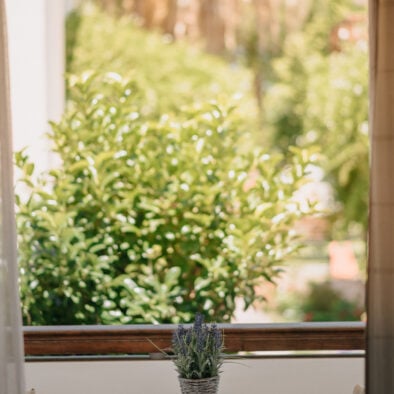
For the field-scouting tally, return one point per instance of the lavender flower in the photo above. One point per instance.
(198, 350)
(217, 336)
(198, 322)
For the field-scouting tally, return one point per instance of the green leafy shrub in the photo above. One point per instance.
(321, 302)
(321, 98)
(173, 74)
(150, 221)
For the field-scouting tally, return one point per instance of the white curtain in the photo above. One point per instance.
(11, 344)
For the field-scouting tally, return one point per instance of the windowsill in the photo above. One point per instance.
(147, 339)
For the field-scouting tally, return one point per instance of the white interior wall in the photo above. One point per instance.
(261, 376)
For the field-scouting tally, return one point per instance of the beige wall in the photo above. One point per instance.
(262, 376)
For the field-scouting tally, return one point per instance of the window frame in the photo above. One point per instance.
(142, 339)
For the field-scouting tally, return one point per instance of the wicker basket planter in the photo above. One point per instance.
(199, 386)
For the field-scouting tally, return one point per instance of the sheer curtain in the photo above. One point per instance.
(380, 287)
(11, 349)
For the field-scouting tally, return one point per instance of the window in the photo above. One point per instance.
(112, 312)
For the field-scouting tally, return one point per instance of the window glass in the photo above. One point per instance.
(203, 156)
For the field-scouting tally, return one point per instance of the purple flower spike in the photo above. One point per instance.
(198, 322)
(198, 350)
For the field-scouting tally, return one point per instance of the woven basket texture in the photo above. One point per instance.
(199, 386)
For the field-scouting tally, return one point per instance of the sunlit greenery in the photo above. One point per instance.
(151, 221)
(164, 205)
(321, 302)
(172, 74)
(320, 97)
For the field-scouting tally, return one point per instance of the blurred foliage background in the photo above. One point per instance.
(171, 74)
(320, 302)
(299, 68)
(178, 189)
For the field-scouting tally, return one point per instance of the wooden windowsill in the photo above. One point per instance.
(145, 339)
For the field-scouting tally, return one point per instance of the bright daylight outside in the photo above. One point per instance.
(203, 156)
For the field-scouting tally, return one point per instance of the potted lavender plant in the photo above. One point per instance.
(198, 357)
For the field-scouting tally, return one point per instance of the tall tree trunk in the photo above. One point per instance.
(108, 5)
(264, 22)
(231, 19)
(137, 7)
(145, 10)
(212, 26)
(170, 19)
(128, 6)
(148, 13)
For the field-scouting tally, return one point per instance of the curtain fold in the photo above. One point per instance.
(11, 348)
(380, 286)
